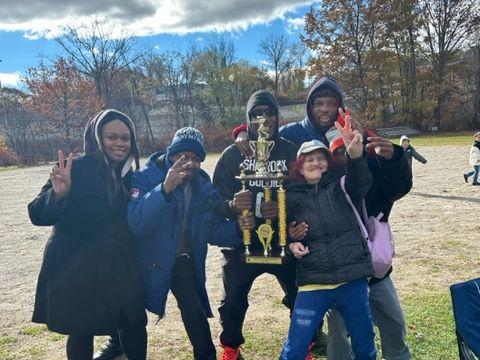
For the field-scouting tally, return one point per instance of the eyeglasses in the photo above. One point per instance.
(265, 112)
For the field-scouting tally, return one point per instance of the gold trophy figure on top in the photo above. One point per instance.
(262, 149)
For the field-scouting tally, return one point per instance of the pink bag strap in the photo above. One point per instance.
(357, 215)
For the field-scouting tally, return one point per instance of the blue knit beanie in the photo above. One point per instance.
(187, 139)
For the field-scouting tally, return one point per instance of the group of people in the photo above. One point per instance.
(122, 239)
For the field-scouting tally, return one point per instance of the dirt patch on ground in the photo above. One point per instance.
(435, 228)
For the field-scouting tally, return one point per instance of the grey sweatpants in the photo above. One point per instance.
(387, 315)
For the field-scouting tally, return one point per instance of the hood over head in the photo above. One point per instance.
(92, 136)
(261, 97)
(329, 86)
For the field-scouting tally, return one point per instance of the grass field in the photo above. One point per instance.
(436, 235)
(439, 139)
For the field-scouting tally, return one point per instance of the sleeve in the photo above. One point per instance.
(225, 233)
(418, 157)
(395, 175)
(149, 206)
(223, 180)
(474, 156)
(44, 210)
(358, 177)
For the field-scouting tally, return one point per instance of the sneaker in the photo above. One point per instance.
(109, 351)
(465, 177)
(476, 183)
(231, 353)
(309, 353)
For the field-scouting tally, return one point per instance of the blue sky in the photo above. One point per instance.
(26, 29)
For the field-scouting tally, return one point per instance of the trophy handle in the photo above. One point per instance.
(271, 144)
(251, 144)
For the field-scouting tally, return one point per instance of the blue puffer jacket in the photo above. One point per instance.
(302, 131)
(156, 220)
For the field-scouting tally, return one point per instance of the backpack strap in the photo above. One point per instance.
(355, 211)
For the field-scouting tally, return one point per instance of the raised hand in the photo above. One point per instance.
(60, 177)
(175, 175)
(243, 145)
(352, 138)
(297, 231)
(298, 249)
(382, 146)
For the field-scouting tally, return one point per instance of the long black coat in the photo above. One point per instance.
(89, 276)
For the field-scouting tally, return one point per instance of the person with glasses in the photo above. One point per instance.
(238, 276)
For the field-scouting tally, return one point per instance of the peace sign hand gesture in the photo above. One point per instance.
(175, 175)
(352, 138)
(60, 176)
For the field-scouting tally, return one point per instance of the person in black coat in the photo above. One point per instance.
(89, 282)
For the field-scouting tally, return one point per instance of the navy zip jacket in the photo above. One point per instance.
(156, 220)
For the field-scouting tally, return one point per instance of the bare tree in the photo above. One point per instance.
(448, 25)
(280, 55)
(98, 52)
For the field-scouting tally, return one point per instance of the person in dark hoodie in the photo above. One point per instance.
(89, 283)
(324, 99)
(333, 260)
(238, 276)
(173, 215)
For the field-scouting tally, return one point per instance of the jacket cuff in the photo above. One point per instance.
(54, 204)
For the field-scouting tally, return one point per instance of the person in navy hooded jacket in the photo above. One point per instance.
(172, 213)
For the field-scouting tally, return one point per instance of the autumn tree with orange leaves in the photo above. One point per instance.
(63, 97)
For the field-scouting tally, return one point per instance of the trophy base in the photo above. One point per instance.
(271, 260)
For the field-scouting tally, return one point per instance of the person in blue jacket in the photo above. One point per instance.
(172, 213)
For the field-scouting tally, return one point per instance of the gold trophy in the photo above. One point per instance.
(261, 149)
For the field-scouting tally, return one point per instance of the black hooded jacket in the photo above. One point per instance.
(89, 277)
(228, 166)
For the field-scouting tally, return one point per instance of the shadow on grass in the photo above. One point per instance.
(446, 197)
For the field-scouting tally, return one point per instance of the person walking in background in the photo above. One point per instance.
(89, 283)
(474, 160)
(410, 151)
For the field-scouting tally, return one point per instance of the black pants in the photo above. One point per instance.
(195, 319)
(133, 340)
(238, 278)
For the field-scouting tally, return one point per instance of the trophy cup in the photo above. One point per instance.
(261, 149)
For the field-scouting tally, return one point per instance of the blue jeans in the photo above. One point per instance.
(351, 301)
(475, 172)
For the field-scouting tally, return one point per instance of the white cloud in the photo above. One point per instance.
(295, 24)
(144, 17)
(264, 63)
(11, 80)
